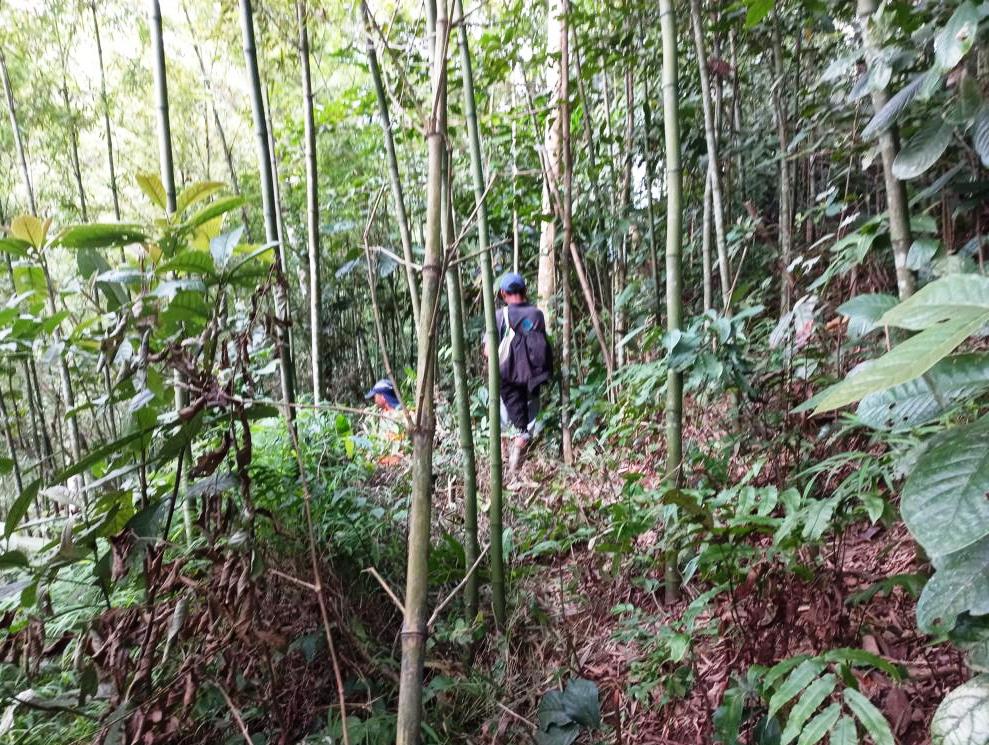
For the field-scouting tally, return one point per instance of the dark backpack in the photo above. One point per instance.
(530, 359)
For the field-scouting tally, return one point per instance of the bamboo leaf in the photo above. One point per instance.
(870, 717)
(923, 150)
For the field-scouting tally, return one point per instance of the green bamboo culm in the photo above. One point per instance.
(161, 97)
(414, 623)
(674, 290)
(286, 367)
(394, 177)
(491, 340)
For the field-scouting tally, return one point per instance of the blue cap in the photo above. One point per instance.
(386, 389)
(512, 282)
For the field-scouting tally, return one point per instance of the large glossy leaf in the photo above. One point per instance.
(955, 40)
(151, 185)
(806, 705)
(864, 311)
(190, 261)
(888, 114)
(30, 229)
(794, 684)
(757, 10)
(870, 717)
(906, 361)
(958, 585)
(100, 235)
(213, 210)
(580, 701)
(923, 399)
(14, 247)
(923, 150)
(844, 732)
(949, 298)
(944, 501)
(196, 193)
(963, 716)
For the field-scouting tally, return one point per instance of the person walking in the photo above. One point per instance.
(525, 359)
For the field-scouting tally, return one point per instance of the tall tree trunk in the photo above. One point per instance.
(650, 209)
(786, 188)
(74, 148)
(674, 290)
(105, 100)
(414, 629)
(401, 215)
(706, 263)
(270, 218)
(312, 210)
(546, 279)
(889, 146)
(491, 342)
(18, 139)
(711, 136)
(565, 430)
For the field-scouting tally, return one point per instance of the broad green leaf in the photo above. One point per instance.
(213, 210)
(944, 501)
(551, 711)
(151, 185)
(14, 247)
(189, 261)
(767, 731)
(844, 732)
(906, 361)
(580, 701)
(13, 559)
(222, 247)
(187, 306)
(727, 718)
(758, 10)
(925, 398)
(100, 235)
(18, 509)
(558, 735)
(820, 725)
(980, 135)
(95, 456)
(180, 440)
(955, 40)
(870, 717)
(962, 718)
(806, 705)
(780, 669)
(948, 298)
(923, 150)
(922, 251)
(30, 229)
(888, 114)
(196, 193)
(795, 683)
(6, 466)
(958, 585)
(864, 311)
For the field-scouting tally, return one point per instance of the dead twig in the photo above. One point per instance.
(384, 585)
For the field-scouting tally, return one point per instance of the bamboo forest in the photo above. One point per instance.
(494, 371)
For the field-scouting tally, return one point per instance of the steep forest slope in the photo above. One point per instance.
(753, 509)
